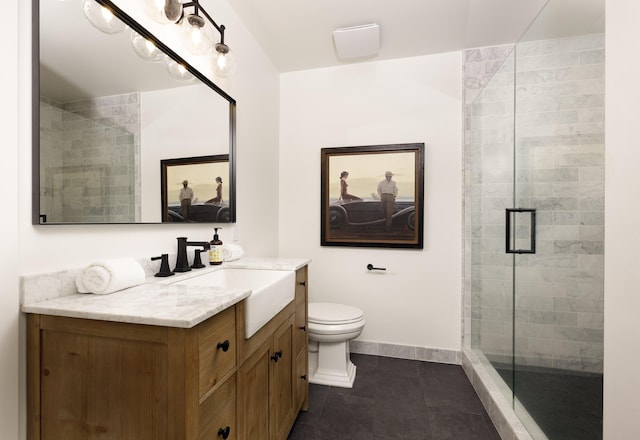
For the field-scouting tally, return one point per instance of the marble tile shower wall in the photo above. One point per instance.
(92, 160)
(559, 170)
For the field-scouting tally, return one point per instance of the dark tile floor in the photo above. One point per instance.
(396, 399)
(565, 406)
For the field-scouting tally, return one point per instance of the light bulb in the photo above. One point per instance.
(196, 36)
(179, 72)
(224, 62)
(145, 49)
(102, 18)
(164, 11)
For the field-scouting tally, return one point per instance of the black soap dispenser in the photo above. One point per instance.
(215, 252)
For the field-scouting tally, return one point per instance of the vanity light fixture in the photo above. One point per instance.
(197, 28)
(179, 72)
(145, 49)
(196, 36)
(164, 11)
(102, 18)
(224, 63)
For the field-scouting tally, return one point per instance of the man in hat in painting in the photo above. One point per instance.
(186, 195)
(388, 191)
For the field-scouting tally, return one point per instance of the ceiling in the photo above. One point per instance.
(297, 34)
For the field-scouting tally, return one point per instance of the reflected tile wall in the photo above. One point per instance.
(559, 170)
(90, 151)
(51, 154)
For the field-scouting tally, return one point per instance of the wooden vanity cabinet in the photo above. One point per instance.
(91, 379)
(272, 371)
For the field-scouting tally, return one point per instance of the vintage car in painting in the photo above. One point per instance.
(200, 213)
(365, 213)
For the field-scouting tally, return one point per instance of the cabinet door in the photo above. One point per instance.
(101, 387)
(253, 395)
(282, 381)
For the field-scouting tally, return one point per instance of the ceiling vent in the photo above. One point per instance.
(357, 41)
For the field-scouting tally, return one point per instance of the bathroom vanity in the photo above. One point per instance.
(192, 378)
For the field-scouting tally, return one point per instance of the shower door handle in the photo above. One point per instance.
(511, 213)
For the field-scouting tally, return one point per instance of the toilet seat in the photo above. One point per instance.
(333, 314)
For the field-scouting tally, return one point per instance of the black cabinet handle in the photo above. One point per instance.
(303, 328)
(224, 432)
(303, 283)
(277, 355)
(224, 346)
(303, 377)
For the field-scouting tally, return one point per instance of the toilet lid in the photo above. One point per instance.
(330, 313)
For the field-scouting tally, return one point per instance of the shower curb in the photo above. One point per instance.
(500, 411)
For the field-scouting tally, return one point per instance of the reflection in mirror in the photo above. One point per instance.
(188, 192)
(106, 119)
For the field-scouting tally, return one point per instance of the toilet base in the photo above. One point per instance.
(330, 364)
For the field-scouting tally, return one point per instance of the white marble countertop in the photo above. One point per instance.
(153, 304)
(158, 301)
(267, 263)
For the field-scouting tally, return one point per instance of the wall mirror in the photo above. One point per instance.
(105, 120)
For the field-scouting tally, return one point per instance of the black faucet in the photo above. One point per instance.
(182, 262)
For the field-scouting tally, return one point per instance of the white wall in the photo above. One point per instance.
(622, 211)
(416, 301)
(9, 364)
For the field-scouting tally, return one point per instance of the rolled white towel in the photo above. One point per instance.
(231, 252)
(110, 276)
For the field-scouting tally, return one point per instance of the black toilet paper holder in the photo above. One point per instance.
(371, 267)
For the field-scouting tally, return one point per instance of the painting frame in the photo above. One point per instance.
(205, 210)
(358, 209)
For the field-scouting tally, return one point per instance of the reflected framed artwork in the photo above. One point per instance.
(193, 189)
(372, 196)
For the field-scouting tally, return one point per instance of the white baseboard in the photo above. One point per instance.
(406, 352)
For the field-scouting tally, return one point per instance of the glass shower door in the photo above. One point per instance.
(559, 172)
(536, 178)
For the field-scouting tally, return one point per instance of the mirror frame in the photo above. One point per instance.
(36, 217)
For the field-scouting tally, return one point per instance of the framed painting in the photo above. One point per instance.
(373, 196)
(193, 189)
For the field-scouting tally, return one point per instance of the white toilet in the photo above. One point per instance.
(331, 327)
